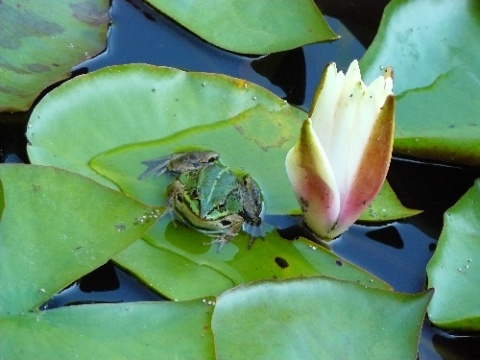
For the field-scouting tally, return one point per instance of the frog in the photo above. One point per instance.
(208, 196)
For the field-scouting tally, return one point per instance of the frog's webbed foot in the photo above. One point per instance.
(255, 232)
(169, 211)
(221, 241)
(158, 166)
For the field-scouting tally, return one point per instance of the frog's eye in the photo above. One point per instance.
(222, 206)
(195, 194)
(212, 158)
(226, 222)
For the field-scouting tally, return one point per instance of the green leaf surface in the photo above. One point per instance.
(315, 318)
(40, 43)
(246, 143)
(250, 27)
(175, 262)
(134, 103)
(437, 76)
(55, 227)
(453, 270)
(386, 206)
(149, 330)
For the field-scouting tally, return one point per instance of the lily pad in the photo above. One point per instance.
(55, 227)
(155, 330)
(40, 44)
(134, 103)
(454, 267)
(175, 262)
(316, 318)
(386, 206)
(436, 77)
(246, 143)
(250, 27)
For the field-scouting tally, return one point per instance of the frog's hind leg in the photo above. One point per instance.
(158, 166)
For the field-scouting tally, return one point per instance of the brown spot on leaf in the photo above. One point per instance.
(89, 14)
(281, 262)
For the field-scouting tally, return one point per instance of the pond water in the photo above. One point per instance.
(396, 252)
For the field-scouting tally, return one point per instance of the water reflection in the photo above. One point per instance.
(387, 235)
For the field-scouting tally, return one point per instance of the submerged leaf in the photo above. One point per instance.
(175, 262)
(245, 143)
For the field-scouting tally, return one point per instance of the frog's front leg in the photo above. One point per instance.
(252, 200)
(179, 163)
(174, 192)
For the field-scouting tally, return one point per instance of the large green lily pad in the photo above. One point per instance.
(250, 27)
(455, 267)
(148, 330)
(40, 43)
(317, 318)
(435, 59)
(254, 142)
(134, 103)
(55, 227)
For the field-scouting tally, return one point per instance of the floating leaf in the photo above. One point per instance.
(245, 143)
(155, 330)
(436, 76)
(317, 318)
(134, 103)
(39, 44)
(250, 27)
(386, 206)
(57, 226)
(454, 267)
(175, 262)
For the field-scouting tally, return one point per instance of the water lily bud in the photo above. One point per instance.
(341, 159)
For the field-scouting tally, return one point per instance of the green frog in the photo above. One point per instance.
(208, 196)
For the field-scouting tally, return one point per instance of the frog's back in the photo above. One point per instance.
(218, 187)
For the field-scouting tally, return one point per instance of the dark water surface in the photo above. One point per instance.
(396, 252)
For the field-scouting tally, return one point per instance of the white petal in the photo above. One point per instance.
(345, 138)
(325, 104)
